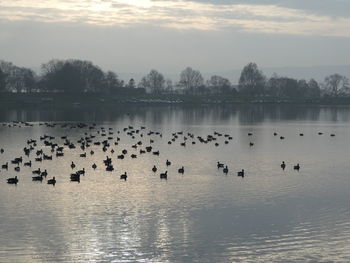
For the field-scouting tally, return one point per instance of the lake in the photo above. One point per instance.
(203, 215)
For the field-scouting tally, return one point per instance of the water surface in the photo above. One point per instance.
(270, 215)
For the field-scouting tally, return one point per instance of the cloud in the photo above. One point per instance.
(268, 18)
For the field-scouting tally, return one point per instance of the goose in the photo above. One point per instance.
(52, 181)
(220, 165)
(156, 153)
(133, 156)
(37, 178)
(154, 169)
(81, 172)
(297, 167)
(94, 166)
(36, 171)
(241, 173)
(181, 170)
(5, 166)
(13, 180)
(83, 155)
(72, 165)
(28, 163)
(164, 175)
(167, 162)
(283, 165)
(109, 168)
(123, 176)
(225, 170)
(75, 177)
(44, 173)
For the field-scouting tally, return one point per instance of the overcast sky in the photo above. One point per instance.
(212, 36)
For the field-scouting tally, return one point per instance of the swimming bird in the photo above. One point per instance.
(225, 170)
(72, 165)
(124, 176)
(297, 167)
(220, 165)
(5, 166)
(283, 165)
(241, 173)
(154, 169)
(164, 175)
(37, 178)
(94, 166)
(52, 181)
(167, 162)
(181, 170)
(13, 180)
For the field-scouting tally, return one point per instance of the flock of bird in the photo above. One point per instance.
(36, 149)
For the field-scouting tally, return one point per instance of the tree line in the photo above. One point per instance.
(78, 76)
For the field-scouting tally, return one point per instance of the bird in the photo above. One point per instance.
(72, 165)
(123, 176)
(241, 173)
(225, 170)
(220, 165)
(5, 166)
(154, 169)
(13, 180)
(167, 162)
(181, 170)
(283, 165)
(164, 175)
(297, 167)
(52, 181)
(94, 166)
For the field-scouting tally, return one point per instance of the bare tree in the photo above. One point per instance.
(154, 82)
(191, 80)
(252, 81)
(336, 84)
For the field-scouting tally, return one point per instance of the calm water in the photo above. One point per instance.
(270, 215)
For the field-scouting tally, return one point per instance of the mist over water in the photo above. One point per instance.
(270, 215)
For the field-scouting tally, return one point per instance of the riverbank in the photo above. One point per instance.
(96, 99)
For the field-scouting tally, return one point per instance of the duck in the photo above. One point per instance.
(154, 169)
(13, 180)
(283, 165)
(225, 170)
(123, 176)
(52, 181)
(181, 170)
(241, 173)
(251, 144)
(164, 175)
(72, 165)
(167, 162)
(17, 169)
(94, 166)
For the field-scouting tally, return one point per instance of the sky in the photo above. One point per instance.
(135, 36)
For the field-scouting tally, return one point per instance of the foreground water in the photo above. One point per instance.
(270, 215)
